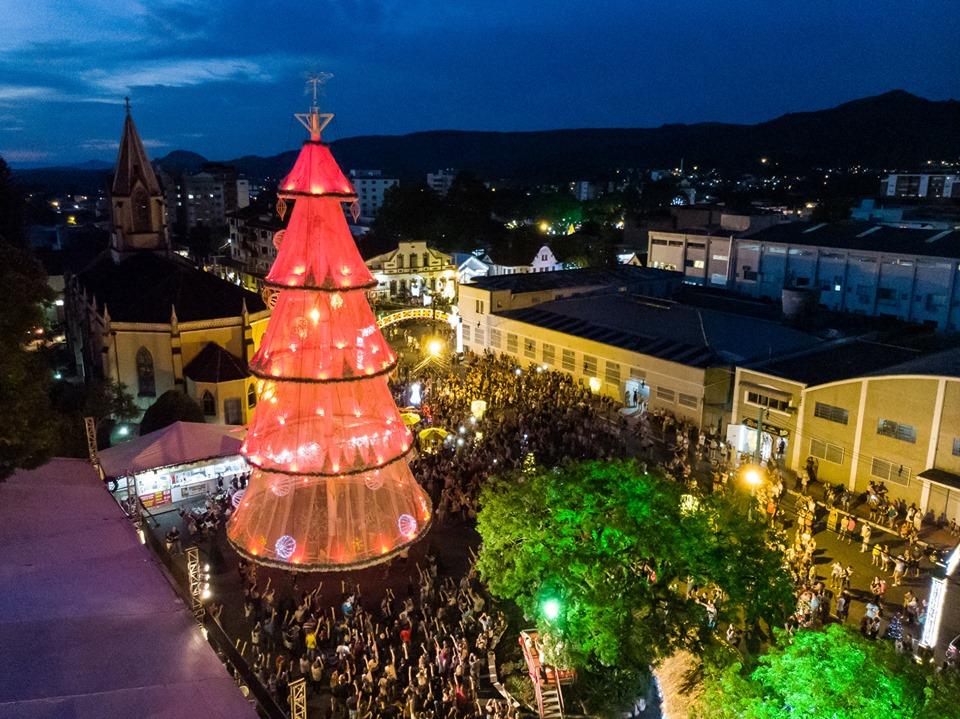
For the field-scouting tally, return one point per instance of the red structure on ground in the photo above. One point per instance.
(331, 488)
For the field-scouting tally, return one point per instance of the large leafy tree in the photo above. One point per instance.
(602, 555)
(172, 406)
(27, 432)
(833, 674)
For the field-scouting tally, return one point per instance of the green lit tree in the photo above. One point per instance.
(602, 554)
(835, 673)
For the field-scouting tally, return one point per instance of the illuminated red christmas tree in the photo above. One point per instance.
(330, 488)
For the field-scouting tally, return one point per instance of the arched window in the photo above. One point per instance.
(141, 211)
(252, 396)
(209, 404)
(146, 385)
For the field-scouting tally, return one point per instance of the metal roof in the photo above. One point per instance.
(673, 331)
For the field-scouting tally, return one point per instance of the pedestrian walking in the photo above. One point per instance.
(851, 528)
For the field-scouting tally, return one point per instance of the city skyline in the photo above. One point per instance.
(205, 77)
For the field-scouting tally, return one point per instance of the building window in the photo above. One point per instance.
(764, 400)
(567, 360)
(612, 373)
(146, 383)
(478, 306)
(426, 259)
(141, 211)
(636, 373)
(903, 432)
(252, 396)
(890, 471)
(688, 400)
(511, 342)
(529, 348)
(209, 404)
(466, 332)
(831, 413)
(549, 354)
(589, 366)
(495, 338)
(666, 395)
(825, 450)
(478, 335)
(956, 446)
(231, 411)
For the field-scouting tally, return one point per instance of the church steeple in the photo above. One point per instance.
(136, 200)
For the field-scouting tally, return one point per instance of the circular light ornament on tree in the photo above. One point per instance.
(407, 525)
(237, 497)
(285, 547)
(280, 486)
(374, 481)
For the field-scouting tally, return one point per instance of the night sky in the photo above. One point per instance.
(222, 78)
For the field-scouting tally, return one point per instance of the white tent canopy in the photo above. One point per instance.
(178, 443)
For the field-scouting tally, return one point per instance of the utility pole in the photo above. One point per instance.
(756, 454)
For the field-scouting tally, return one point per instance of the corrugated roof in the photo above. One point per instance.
(864, 236)
(672, 331)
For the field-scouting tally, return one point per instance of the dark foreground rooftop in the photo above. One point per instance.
(89, 626)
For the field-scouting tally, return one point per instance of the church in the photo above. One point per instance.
(143, 316)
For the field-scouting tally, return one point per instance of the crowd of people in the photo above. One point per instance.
(535, 412)
(419, 655)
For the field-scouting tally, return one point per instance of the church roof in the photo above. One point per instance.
(144, 288)
(215, 364)
(133, 164)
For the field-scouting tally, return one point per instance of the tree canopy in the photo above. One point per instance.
(27, 434)
(172, 406)
(614, 547)
(831, 674)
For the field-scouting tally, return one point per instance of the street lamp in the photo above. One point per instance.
(551, 609)
(435, 347)
(753, 477)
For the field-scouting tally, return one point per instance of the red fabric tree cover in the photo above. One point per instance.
(331, 488)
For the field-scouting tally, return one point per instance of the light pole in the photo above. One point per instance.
(752, 476)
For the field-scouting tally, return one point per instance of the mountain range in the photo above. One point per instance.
(895, 130)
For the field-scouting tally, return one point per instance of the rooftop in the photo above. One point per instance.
(865, 236)
(89, 625)
(696, 337)
(614, 277)
(848, 359)
(145, 286)
(215, 364)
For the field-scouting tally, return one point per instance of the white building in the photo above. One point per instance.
(862, 268)
(371, 187)
(441, 180)
(414, 270)
(921, 184)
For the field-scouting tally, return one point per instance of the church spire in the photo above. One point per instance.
(132, 161)
(136, 200)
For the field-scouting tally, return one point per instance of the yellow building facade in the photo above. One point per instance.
(899, 425)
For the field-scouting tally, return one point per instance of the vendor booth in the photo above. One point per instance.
(176, 463)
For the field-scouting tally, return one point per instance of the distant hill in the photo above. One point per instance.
(181, 161)
(892, 130)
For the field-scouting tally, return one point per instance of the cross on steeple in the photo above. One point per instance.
(126, 104)
(314, 121)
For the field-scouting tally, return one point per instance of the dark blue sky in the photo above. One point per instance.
(222, 77)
